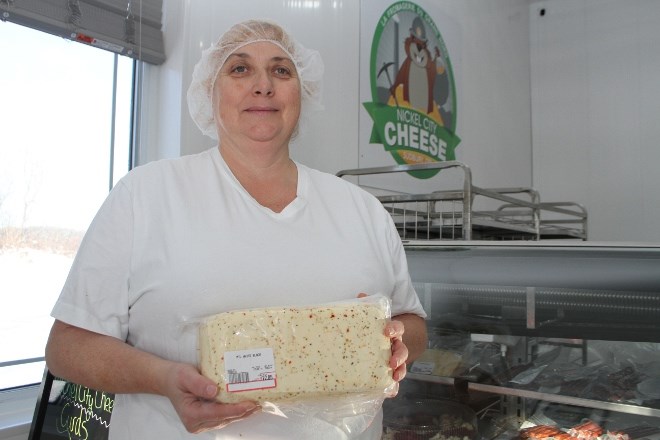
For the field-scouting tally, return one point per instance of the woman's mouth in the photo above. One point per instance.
(260, 110)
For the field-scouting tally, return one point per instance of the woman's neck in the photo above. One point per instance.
(271, 179)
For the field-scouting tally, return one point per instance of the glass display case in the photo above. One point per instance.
(533, 340)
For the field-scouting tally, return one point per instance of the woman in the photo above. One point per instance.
(238, 226)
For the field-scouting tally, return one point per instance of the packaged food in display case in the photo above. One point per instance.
(444, 355)
(428, 419)
(564, 339)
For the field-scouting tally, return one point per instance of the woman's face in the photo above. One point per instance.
(257, 96)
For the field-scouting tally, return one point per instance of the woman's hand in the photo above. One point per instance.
(191, 394)
(193, 398)
(404, 352)
(394, 330)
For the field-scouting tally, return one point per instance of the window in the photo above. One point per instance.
(65, 118)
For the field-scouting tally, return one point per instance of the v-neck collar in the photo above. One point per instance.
(295, 206)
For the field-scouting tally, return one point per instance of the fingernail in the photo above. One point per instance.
(211, 390)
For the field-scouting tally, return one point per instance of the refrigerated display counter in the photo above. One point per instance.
(539, 340)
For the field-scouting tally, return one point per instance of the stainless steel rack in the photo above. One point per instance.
(475, 213)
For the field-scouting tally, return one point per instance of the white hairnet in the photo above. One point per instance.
(309, 66)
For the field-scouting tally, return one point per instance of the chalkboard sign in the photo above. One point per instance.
(66, 410)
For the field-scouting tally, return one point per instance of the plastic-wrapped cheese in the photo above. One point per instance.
(277, 354)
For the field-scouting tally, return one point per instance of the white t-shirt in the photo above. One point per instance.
(180, 239)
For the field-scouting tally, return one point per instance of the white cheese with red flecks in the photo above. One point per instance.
(283, 353)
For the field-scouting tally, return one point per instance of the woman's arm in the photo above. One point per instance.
(106, 363)
(103, 362)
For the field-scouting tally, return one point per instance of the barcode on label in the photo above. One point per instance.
(242, 377)
(251, 369)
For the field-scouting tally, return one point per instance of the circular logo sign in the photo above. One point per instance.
(413, 103)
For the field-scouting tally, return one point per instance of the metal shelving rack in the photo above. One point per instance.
(515, 213)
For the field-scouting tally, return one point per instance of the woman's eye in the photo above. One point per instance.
(239, 69)
(282, 71)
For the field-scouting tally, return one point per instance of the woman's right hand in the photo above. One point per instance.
(193, 398)
(191, 394)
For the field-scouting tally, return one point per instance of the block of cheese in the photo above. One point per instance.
(284, 353)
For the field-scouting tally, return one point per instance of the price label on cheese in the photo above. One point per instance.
(252, 369)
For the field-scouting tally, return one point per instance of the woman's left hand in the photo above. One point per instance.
(394, 330)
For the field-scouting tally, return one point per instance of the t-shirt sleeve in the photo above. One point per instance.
(95, 294)
(404, 297)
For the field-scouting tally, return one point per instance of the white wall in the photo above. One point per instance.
(494, 101)
(330, 141)
(494, 129)
(595, 107)
(554, 82)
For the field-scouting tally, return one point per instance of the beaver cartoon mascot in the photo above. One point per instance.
(418, 71)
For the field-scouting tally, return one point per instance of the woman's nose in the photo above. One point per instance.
(263, 84)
